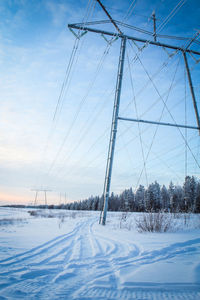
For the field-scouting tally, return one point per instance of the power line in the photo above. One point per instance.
(130, 10)
(156, 89)
(139, 130)
(159, 157)
(80, 107)
(154, 135)
(66, 81)
(82, 102)
(171, 14)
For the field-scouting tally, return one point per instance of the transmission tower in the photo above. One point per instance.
(124, 38)
(37, 192)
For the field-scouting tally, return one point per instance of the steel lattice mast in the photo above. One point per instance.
(116, 117)
(113, 134)
(37, 192)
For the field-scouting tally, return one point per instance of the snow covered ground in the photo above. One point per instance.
(68, 255)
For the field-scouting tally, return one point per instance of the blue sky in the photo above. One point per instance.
(69, 153)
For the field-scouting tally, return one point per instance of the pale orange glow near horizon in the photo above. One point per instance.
(28, 197)
(13, 198)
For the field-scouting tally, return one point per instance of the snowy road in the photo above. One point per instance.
(93, 262)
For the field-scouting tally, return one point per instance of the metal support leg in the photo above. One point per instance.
(45, 198)
(36, 194)
(192, 90)
(113, 132)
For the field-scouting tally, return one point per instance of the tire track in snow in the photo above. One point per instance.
(35, 264)
(149, 257)
(109, 264)
(39, 250)
(103, 265)
(86, 265)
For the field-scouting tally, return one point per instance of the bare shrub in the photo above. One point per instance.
(73, 214)
(177, 215)
(186, 219)
(9, 221)
(33, 213)
(124, 221)
(50, 216)
(198, 221)
(61, 220)
(41, 213)
(154, 222)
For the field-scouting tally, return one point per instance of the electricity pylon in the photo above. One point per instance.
(37, 192)
(116, 117)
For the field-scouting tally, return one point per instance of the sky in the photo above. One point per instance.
(56, 116)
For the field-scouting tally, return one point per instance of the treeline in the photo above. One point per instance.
(173, 198)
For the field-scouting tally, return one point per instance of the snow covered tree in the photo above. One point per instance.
(122, 201)
(149, 198)
(165, 199)
(140, 198)
(157, 196)
(190, 186)
(197, 200)
(178, 200)
(153, 197)
(171, 194)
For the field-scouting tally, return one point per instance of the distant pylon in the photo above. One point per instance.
(37, 192)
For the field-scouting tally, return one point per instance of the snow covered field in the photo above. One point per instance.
(68, 255)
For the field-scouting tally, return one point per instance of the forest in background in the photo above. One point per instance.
(155, 198)
(174, 198)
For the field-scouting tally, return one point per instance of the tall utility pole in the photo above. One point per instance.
(192, 90)
(153, 16)
(116, 117)
(113, 133)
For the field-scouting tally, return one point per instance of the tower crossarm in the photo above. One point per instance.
(158, 123)
(121, 35)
